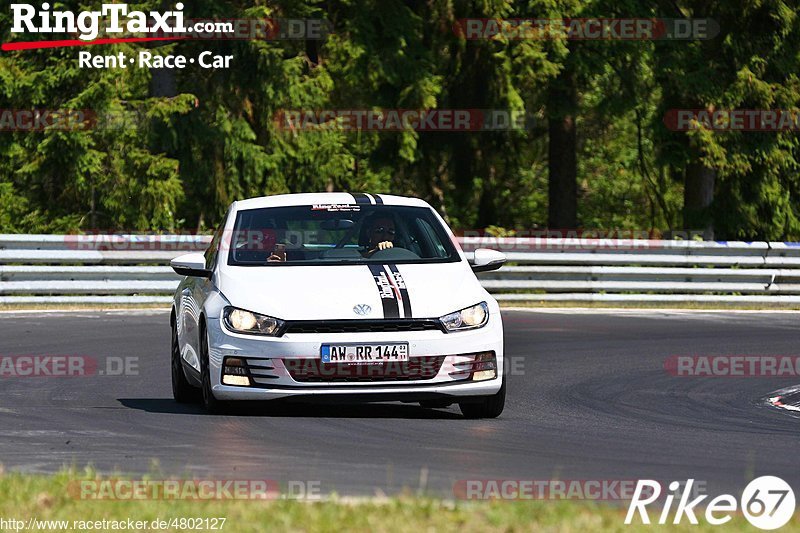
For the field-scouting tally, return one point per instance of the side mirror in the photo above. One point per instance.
(191, 265)
(486, 260)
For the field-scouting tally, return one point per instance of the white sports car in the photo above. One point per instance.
(345, 296)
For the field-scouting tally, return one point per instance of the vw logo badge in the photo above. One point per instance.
(362, 309)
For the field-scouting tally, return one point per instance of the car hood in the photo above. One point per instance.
(333, 292)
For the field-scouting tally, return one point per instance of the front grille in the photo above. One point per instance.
(262, 371)
(315, 371)
(359, 326)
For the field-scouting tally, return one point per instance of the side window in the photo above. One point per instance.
(211, 251)
(430, 238)
(213, 248)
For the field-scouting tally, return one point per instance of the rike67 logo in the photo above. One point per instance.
(767, 503)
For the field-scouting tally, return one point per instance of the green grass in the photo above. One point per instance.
(51, 498)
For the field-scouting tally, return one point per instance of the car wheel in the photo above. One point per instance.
(488, 407)
(182, 390)
(210, 402)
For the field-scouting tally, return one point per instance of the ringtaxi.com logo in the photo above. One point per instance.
(88, 23)
(767, 502)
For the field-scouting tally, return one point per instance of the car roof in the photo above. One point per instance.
(281, 200)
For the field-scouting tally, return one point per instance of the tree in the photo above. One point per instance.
(740, 185)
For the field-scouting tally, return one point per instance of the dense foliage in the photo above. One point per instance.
(184, 144)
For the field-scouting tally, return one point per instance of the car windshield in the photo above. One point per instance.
(339, 233)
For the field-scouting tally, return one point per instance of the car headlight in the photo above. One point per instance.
(470, 318)
(242, 321)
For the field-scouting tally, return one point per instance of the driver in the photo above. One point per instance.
(380, 232)
(278, 254)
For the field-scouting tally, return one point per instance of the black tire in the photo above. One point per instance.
(210, 402)
(489, 407)
(182, 390)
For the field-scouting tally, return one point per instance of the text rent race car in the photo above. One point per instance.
(346, 296)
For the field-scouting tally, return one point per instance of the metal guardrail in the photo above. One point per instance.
(119, 269)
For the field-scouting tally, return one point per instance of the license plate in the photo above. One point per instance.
(364, 354)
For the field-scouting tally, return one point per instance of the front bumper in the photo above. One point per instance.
(271, 359)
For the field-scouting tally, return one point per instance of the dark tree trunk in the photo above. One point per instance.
(312, 51)
(467, 152)
(163, 83)
(698, 194)
(562, 160)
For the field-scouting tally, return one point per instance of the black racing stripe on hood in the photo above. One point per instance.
(391, 308)
(401, 284)
(361, 198)
(378, 199)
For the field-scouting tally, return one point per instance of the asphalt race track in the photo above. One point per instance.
(589, 398)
